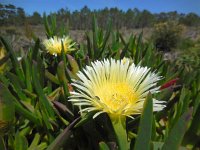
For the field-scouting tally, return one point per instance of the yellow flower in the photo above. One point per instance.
(54, 45)
(116, 87)
(2, 55)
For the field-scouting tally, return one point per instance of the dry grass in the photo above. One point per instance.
(21, 36)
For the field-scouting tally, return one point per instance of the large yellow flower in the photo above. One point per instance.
(115, 87)
(54, 45)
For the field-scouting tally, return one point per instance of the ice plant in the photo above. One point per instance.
(2, 55)
(116, 87)
(54, 45)
(7, 110)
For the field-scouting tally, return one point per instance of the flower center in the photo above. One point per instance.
(57, 47)
(116, 95)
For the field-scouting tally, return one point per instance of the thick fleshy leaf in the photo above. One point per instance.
(103, 146)
(176, 134)
(73, 64)
(44, 101)
(62, 77)
(21, 142)
(62, 137)
(7, 110)
(85, 119)
(145, 127)
(2, 143)
(35, 142)
(13, 58)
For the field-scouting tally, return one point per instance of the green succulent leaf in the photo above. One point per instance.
(21, 142)
(145, 127)
(103, 146)
(173, 141)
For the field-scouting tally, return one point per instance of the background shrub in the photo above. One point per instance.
(166, 35)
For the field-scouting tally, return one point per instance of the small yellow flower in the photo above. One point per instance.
(54, 45)
(2, 55)
(116, 87)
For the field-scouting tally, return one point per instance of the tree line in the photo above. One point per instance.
(81, 19)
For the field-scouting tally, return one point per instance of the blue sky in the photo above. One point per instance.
(155, 6)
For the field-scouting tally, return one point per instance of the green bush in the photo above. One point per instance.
(186, 44)
(166, 35)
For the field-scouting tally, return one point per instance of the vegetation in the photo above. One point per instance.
(34, 95)
(132, 18)
(166, 35)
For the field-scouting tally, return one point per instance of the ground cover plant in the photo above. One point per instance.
(106, 92)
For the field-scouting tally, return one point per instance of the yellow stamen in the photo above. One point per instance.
(116, 95)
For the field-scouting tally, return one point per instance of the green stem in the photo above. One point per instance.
(2, 143)
(119, 125)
